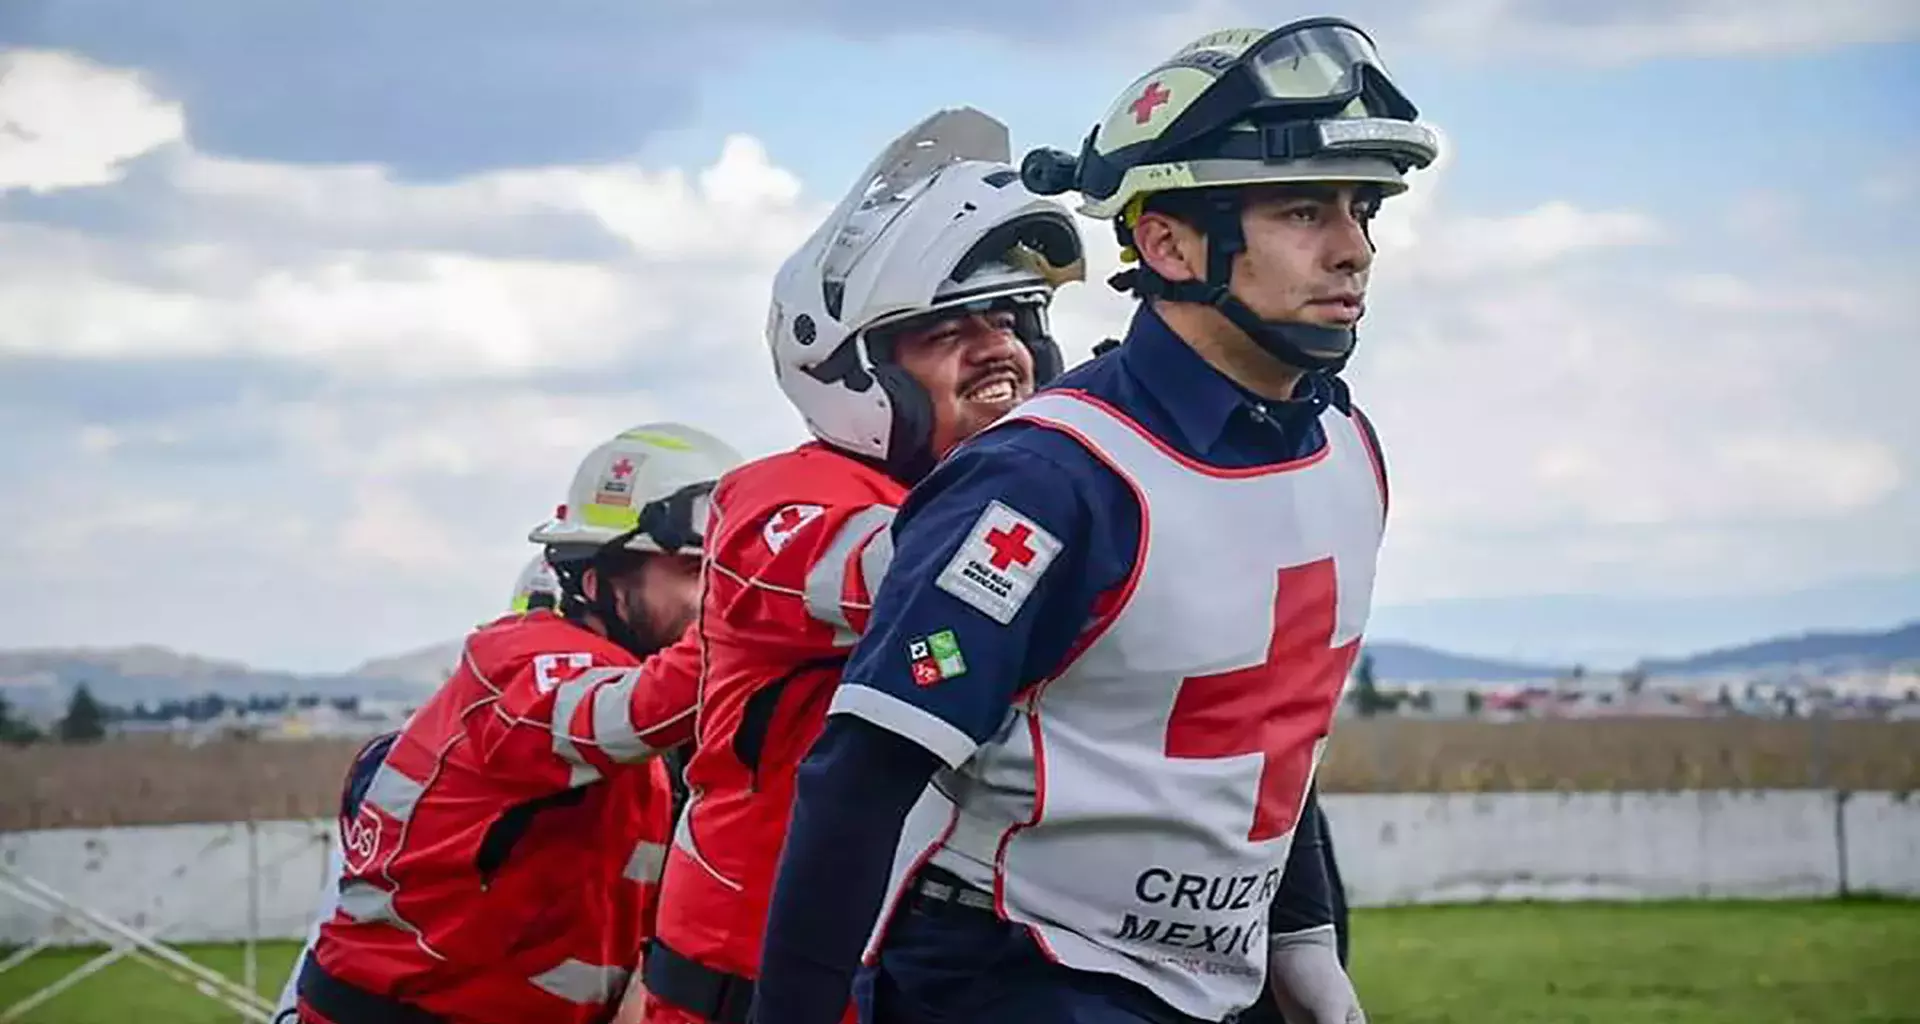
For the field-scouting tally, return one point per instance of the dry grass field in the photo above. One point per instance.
(150, 781)
(1387, 755)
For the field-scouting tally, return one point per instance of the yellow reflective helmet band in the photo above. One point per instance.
(610, 517)
(658, 440)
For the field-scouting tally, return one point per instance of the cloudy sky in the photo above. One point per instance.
(308, 309)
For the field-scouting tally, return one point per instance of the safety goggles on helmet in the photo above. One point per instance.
(1315, 89)
(678, 521)
(675, 523)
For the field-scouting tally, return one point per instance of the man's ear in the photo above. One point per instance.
(590, 583)
(1170, 247)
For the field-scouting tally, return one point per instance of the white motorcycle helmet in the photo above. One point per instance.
(939, 222)
(645, 492)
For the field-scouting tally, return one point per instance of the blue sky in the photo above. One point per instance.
(318, 303)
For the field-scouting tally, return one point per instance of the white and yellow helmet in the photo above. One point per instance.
(1309, 102)
(537, 586)
(644, 490)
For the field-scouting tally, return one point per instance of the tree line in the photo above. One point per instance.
(87, 719)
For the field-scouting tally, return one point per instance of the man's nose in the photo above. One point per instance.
(988, 340)
(1352, 250)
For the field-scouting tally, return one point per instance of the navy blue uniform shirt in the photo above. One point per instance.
(889, 734)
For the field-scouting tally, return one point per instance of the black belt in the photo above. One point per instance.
(939, 889)
(696, 988)
(347, 1003)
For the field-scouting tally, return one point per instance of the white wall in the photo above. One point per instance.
(1444, 847)
(190, 882)
(181, 883)
(1881, 834)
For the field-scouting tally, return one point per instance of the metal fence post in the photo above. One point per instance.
(250, 958)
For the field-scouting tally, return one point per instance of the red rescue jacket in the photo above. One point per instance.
(799, 542)
(503, 862)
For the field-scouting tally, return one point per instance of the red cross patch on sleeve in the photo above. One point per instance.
(782, 525)
(997, 565)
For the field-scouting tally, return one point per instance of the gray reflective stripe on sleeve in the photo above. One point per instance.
(566, 700)
(393, 792)
(647, 863)
(827, 580)
(903, 719)
(874, 561)
(583, 983)
(367, 903)
(613, 727)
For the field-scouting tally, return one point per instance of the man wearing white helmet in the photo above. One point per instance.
(536, 587)
(914, 317)
(501, 852)
(1117, 623)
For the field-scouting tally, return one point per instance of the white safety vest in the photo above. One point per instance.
(1136, 811)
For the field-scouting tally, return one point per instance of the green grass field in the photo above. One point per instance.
(1675, 963)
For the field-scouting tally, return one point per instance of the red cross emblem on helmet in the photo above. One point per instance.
(1149, 100)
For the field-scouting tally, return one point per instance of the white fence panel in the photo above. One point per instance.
(179, 883)
(1455, 847)
(1881, 836)
(190, 883)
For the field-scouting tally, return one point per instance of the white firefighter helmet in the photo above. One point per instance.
(536, 587)
(939, 221)
(645, 490)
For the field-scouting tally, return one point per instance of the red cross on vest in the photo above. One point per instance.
(1149, 101)
(1010, 546)
(1278, 708)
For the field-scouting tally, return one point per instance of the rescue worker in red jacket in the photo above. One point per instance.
(502, 852)
(914, 317)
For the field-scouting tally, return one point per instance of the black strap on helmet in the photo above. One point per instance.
(1309, 347)
(669, 521)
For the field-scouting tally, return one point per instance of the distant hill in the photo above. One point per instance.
(1406, 663)
(1609, 633)
(1817, 650)
(426, 666)
(39, 681)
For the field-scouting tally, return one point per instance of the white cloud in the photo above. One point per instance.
(1655, 424)
(66, 122)
(376, 302)
(1558, 31)
(1621, 33)
(1894, 186)
(1572, 399)
(1418, 242)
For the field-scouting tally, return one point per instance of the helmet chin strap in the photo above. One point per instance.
(575, 604)
(910, 455)
(1308, 347)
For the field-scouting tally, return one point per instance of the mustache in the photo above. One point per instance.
(1000, 368)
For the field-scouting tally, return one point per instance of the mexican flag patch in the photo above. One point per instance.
(935, 657)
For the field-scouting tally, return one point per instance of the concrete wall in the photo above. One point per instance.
(1452, 847)
(191, 882)
(1880, 833)
(181, 883)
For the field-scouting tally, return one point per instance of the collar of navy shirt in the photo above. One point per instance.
(1202, 402)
